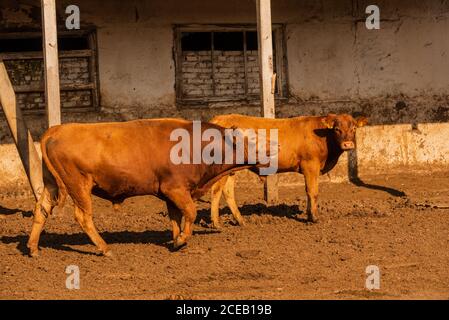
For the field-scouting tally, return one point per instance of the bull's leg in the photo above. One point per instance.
(183, 201)
(43, 209)
(84, 218)
(311, 171)
(176, 218)
(189, 212)
(229, 195)
(83, 214)
(216, 192)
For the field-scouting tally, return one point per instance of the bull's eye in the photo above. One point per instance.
(337, 130)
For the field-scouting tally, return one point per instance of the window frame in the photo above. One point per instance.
(280, 53)
(91, 54)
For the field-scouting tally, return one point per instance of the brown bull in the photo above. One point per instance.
(119, 160)
(309, 145)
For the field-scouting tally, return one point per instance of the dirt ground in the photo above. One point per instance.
(398, 223)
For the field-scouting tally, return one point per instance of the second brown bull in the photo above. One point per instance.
(308, 145)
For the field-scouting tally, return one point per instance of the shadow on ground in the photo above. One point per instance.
(353, 171)
(8, 212)
(63, 241)
(394, 192)
(281, 210)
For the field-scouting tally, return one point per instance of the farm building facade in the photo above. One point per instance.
(196, 59)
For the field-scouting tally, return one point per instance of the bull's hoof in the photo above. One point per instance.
(178, 247)
(108, 254)
(33, 250)
(312, 220)
(216, 226)
(34, 253)
(179, 242)
(241, 223)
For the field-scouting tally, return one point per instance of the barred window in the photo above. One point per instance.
(216, 63)
(23, 58)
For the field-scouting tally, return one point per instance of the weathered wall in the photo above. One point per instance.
(396, 74)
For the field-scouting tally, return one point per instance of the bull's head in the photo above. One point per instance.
(344, 127)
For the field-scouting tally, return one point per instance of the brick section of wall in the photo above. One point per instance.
(74, 70)
(229, 74)
(252, 65)
(197, 74)
(25, 72)
(69, 99)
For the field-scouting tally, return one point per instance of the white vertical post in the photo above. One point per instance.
(50, 47)
(265, 57)
(267, 81)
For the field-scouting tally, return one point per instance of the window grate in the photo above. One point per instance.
(23, 58)
(216, 63)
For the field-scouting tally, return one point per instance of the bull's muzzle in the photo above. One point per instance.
(347, 145)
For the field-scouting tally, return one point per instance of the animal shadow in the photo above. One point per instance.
(63, 242)
(359, 183)
(8, 212)
(280, 210)
(353, 170)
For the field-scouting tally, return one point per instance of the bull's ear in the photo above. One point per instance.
(361, 121)
(329, 121)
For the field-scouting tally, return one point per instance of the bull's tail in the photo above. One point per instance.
(51, 175)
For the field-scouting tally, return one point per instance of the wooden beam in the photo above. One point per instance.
(37, 55)
(245, 63)
(38, 34)
(93, 68)
(265, 57)
(51, 65)
(264, 32)
(26, 88)
(212, 53)
(22, 136)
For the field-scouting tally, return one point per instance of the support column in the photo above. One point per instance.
(267, 81)
(51, 64)
(22, 136)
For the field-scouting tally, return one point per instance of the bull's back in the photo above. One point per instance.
(122, 159)
(294, 135)
(249, 122)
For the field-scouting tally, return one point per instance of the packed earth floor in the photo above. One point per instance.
(399, 223)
